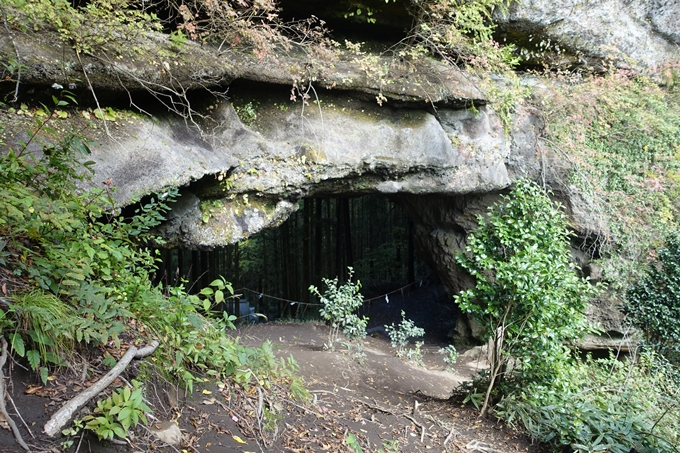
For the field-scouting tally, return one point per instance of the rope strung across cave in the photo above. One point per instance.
(385, 296)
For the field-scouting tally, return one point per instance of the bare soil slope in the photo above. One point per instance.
(378, 397)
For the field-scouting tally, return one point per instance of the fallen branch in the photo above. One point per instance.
(64, 414)
(3, 409)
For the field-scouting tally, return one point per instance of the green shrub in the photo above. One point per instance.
(527, 296)
(339, 304)
(90, 269)
(607, 405)
(450, 355)
(400, 336)
(48, 326)
(620, 132)
(114, 415)
(653, 303)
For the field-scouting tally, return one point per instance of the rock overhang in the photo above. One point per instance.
(342, 145)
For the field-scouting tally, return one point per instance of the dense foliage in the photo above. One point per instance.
(532, 303)
(527, 296)
(620, 130)
(653, 302)
(611, 405)
(82, 274)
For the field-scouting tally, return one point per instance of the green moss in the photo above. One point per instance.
(210, 208)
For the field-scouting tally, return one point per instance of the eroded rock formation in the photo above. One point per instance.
(420, 133)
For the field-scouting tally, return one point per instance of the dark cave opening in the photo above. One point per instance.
(365, 20)
(273, 269)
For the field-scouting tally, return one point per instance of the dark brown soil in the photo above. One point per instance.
(372, 394)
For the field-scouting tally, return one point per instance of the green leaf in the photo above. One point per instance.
(33, 357)
(17, 344)
(44, 373)
(119, 431)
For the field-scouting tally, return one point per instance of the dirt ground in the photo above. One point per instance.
(385, 402)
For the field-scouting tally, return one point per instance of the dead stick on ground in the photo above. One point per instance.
(3, 409)
(19, 415)
(64, 414)
(396, 414)
(448, 438)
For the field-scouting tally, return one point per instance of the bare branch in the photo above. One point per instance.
(16, 51)
(3, 409)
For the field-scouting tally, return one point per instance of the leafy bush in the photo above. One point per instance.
(339, 303)
(114, 415)
(603, 405)
(450, 355)
(620, 130)
(91, 272)
(653, 305)
(49, 326)
(462, 31)
(400, 336)
(527, 294)
(89, 28)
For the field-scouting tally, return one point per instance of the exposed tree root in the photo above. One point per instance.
(65, 413)
(3, 409)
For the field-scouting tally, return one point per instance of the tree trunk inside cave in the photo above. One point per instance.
(373, 234)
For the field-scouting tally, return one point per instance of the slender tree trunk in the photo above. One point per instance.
(179, 275)
(411, 277)
(347, 227)
(306, 249)
(195, 268)
(237, 265)
(329, 240)
(205, 270)
(318, 242)
(338, 238)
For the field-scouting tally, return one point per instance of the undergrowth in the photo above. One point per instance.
(621, 132)
(84, 272)
(602, 405)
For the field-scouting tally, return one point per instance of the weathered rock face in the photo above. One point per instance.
(664, 15)
(633, 33)
(252, 175)
(243, 162)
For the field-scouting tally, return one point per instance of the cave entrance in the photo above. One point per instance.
(273, 269)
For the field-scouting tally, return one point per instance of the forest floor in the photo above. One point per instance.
(386, 402)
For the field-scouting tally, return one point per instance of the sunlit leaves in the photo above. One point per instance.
(653, 302)
(339, 303)
(526, 283)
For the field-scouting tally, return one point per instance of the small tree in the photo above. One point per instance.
(339, 303)
(400, 335)
(527, 294)
(653, 303)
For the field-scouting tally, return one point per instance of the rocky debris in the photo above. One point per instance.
(168, 432)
